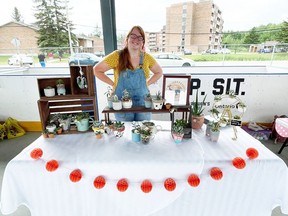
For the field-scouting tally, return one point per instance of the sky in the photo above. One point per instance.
(151, 14)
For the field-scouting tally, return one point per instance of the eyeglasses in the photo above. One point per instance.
(134, 36)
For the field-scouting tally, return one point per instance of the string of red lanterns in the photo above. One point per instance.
(146, 186)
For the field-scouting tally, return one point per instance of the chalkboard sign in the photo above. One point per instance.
(235, 122)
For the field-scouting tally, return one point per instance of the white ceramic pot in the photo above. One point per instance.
(117, 105)
(49, 92)
(51, 128)
(127, 104)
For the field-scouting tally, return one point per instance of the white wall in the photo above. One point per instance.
(263, 89)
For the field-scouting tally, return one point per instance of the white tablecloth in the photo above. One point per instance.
(254, 190)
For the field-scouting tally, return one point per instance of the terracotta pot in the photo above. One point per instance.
(197, 122)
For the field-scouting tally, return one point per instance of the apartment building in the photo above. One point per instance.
(192, 26)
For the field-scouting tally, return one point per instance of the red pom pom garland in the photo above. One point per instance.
(75, 175)
(170, 184)
(122, 185)
(99, 182)
(36, 153)
(147, 185)
(52, 165)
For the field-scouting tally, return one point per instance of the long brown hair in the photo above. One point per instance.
(124, 57)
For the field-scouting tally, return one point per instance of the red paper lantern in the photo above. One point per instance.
(36, 153)
(146, 186)
(252, 153)
(216, 173)
(99, 182)
(170, 184)
(75, 175)
(239, 162)
(122, 185)
(52, 165)
(193, 180)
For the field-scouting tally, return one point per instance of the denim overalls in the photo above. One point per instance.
(134, 82)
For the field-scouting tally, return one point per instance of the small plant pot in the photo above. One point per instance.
(127, 104)
(135, 136)
(118, 132)
(214, 135)
(49, 92)
(197, 122)
(51, 128)
(51, 135)
(117, 105)
(61, 89)
(177, 137)
(82, 125)
(157, 104)
(98, 136)
(145, 139)
(59, 130)
(168, 106)
(148, 104)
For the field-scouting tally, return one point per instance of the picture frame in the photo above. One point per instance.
(176, 89)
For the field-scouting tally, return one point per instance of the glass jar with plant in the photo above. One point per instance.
(214, 131)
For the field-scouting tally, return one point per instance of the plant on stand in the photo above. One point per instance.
(60, 87)
(49, 91)
(148, 100)
(116, 103)
(109, 95)
(196, 112)
(126, 99)
(158, 101)
(177, 130)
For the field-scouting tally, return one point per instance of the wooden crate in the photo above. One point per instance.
(88, 74)
(67, 105)
(44, 82)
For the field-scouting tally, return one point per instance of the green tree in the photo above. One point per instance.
(283, 34)
(252, 37)
(53, 24)
(16, 15)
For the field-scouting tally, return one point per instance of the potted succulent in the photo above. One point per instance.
(116, 103)
(168, 106)
(60, 87)
(145, 134)
(98, 126)
(158, 101)
(59, 130)
(108, 128)
(98, 134)
(177, 131)
(126, 99)
(148, 100)
(118, 128)
(65, 121)
(82, 121)
(136, 134)
(51, 127)
(45, 133)
(214, 131)
(51, 134)
(109, 95)
(196, 112)
(49, 91)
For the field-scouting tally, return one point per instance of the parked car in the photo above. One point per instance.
(225, 51)
(83, 59)
(170, 59)
(265, 50)
(18, 58)
(187, 52)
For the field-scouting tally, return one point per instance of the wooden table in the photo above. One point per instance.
(141, 109)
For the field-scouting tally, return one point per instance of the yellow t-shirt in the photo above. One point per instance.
(112, 60)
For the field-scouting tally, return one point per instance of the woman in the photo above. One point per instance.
(132, 68)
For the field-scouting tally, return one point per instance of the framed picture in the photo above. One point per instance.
(176, 89)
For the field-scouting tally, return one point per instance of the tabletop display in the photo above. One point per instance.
(78, 174)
